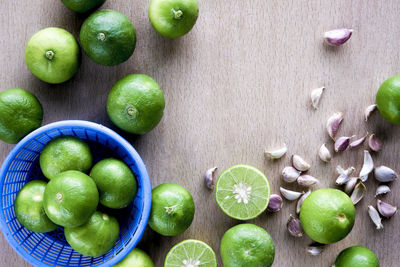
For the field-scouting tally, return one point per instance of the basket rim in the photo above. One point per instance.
(121, 141)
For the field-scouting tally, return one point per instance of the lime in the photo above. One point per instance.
(247, 245)
(173, 18)
(82, 6)
(327, 215)
(20, 114)
(29, 209)
(242, 192)
(108, 37)
(95, 237)
(137, 258)
(116, 183)
(136, 104)
(172, 209)
(70, 198)
(52, 55)
(388, 99)
(356, 256)
(190, 253)
(65, 153)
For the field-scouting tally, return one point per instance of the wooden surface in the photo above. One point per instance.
(238, 83)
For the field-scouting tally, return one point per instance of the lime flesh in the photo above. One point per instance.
(388, 99)
(136, 258)
(356, 256)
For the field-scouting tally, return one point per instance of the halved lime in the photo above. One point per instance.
(242, 192)
(191, 253)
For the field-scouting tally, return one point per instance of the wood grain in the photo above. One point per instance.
(238, 83)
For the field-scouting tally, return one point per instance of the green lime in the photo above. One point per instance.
(70, 198)
(136, 258)
(242, 192)
(29, 208)
(356, 256)
(388, 99)
(247, 245)
(173, 18)
(190, 253)
(116, 183)
(52, 55)
(65, 153)
(327, 215)
(95, 237)
(108, 37)
(136, 104)
(82, 6)
(20, 114)
(172, 209)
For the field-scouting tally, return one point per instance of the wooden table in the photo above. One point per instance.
(237, 84)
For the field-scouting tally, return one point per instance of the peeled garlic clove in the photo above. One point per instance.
(374, 143)
(385, 209)
(290, 174)
(375, 217)
(209, 178)
(316, 96)
(382, 189)
(337, 37)
(294, 226)
(278, 153)
(307, 180)
(324, 153)
(368, 111)
(344, 175)
(358, 193)
(301, 199)
(275, 203)
(300, 164)
(358, 142)
(333, 123)
(368, 165)
(342, 143)
(289, 194)
(349, 186)
(385, 174)
(315, 249)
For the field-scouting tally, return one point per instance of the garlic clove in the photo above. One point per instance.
(209, 178)
(294, 226)
(375, 217)
(301, 199)
(349, 186)
(368, 165)
(358, 193)
(358, 142)
(300, 164)
(333, 123)
(385, 174)
(344, 175)
(316, 96)
(337, 37)
(374, 143)
(382, 189)
(290, 174)
(324, 153)
(315, 249)
(307, 180)
(342, 143)
(289, 194)
(278, 153)
(385, 209)
(368, 111)
(275, 203)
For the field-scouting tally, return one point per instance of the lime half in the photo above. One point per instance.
(191, 253)
(242, 192)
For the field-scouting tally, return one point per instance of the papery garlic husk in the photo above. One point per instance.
(375, 217)
(301, 199)
(358, 142)
(209, 178)
(300, 164)
(275, 203)
(374, 143)
(368, 111)
(324, 153)
(290, 174)
(337, 37)
(278, 153)
(289, 194)
(333, 124)
(316, 96)
(307, 180)
(368, 165)
(344, 175)
(358, 193)
(349, 186)
(315, 249)
(342, 143)
(385, 174)
(294, 226)
(382, 189)
(385, 209)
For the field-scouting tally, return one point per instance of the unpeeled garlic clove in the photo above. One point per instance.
(278, 153)
(300, 164)
(382, 189)
(316, 96)
(337, 37)
(289, 194)
(333, 123)
(358, 193)
(374, 143)
(275, 203)
(375, 217)
(209, 178)
(315, 249)
(385, 209)
(349, 186)
(324, 153)
(307, 180)
(301, 199)
(368, 111)
(342, 143)
(385, 174)
(294, 226)
(290, 174)
(358, 142)
(344, 175)
(368, 165)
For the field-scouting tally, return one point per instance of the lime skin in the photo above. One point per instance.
(53, 55)
(108, 37)
(172, 209)
(173, 18)
(247, 245)
(388, 99)
(95, 237)
(29, 208)
(137, 258)
(136, 104)
(327, 215)
(20, 114)
(116, 183)
(356, 256)
(65, 153)
(70, 198)
(82, 6)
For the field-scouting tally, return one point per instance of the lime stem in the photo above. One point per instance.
(59, 197)
(101, 36)
(170, 210)
(131, 110)
(49, 55)
(178, 14)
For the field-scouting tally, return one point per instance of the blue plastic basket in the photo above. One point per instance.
(51, 249)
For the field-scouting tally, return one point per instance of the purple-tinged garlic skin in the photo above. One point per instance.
(342, 143)
(294, 226)
(385, 209)
(358, 142)
(290, 174)
(275, 203)
(368, 111)
(333, 124)
(382, 189)
(385, 174)
(375, 217)
(289, 194)
(374, 143)
(337, 37)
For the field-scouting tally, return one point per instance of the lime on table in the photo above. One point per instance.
(327, 215)
(70, 198)
(247, 245)
(115, 181)
(52, 55)
(191, 253)
(108, 37)
(172, 209)
(388, 99)
(29, 209)
(136, 104)
(95, 237)
(20, 114)
(173, 18)
(65, 153)
(82, 6)
(356, 256)
(136, 258)
(242, 192)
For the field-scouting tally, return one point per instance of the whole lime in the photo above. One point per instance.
(70, 198)
(29, 208)
(388, 99)
(136, 104)
(108, 37)
(173, 18)
(172, 209)
(247, 245)
(20, 114)
(137, 258)
(52, 55)
(82, 6)
(115, 181)
(356, 256)
(65, 153)
(327, 215)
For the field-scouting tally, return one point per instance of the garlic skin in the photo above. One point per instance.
(385, 174)
(275, 203)
(316, 96)
(342, 143)
(307, 180)
(337, 37)
(294, 226)
(333, 124)
(315, 249)
(358, 193)
(385, 209)
(300, 164)
(289, 194)
(349, 186)
(290, 174)
(368, 165)
(324, 153)
(358, 142)
(381, 190)
(209, 178)
(375, 217)
(344, 175)
(368, 111)
(301, 199)
(278, 153)
(374, 143)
